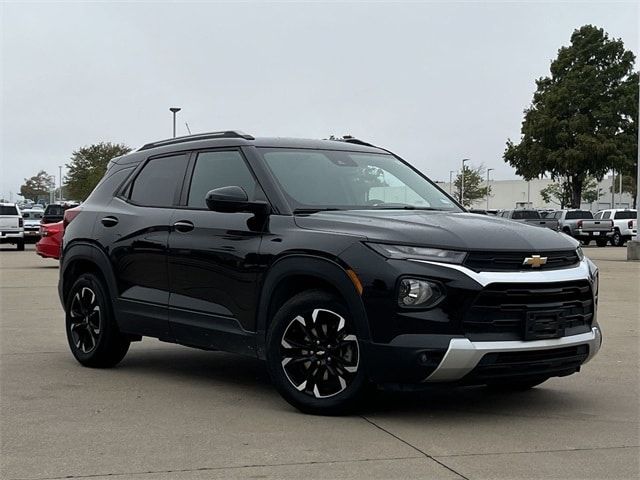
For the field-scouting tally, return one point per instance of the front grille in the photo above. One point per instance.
(514, 261)
(506, 308)
(530, 363)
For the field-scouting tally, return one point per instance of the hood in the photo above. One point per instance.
(459, 231)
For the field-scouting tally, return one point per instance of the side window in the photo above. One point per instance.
(221, 169)
(606, 215)
(598, 216)
(157, 182)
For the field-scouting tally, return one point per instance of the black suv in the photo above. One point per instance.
(333, 260)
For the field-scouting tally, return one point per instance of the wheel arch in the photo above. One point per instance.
(297, 273)
(84, 257)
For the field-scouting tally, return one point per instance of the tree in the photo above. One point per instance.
(560, 193)
(579, 121)
(37, 186)
(628, 160)
(473, 185)
(87, 166)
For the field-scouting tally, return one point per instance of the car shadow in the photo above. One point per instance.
(249, 376)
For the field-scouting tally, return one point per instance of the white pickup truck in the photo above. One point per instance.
(625, 224)
(11, 225)
(32, 219)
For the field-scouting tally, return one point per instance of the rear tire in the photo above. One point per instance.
(618, 240)
(313, 354)
(601, 242)
(20, 245)
(92, 333)
(516, 385)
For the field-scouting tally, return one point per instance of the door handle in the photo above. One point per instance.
(109, 221)
(183, 226)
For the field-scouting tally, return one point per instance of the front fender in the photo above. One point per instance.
(309, 265)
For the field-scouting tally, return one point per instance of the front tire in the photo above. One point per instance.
(92, 333)
(313, 354)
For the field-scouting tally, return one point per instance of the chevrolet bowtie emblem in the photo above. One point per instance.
(535, 261)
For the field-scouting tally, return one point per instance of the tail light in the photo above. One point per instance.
(70, 214)
(44, 231)
(20, 222)
(579, 223)
(630, 224)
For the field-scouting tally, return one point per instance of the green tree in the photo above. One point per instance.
(37, 186)
(578, 123)
(560, 193)
(474, 185)
(87, 166)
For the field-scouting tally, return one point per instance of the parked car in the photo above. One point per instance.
(32, 219)
(530, 217)
(581, 225)
(11, 225)
(219, 241)
(625, 224)
(55, 211)
(50, 240)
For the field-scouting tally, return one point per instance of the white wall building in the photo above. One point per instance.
(509, 194)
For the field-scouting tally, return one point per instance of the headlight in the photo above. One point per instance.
(580, 253)
(406, 252)
(414, 292)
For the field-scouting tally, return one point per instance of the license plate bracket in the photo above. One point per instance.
(543, 325)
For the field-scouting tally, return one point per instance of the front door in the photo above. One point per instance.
(213, 258)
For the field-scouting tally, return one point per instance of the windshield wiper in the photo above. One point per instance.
(407, 207)
(315, 210)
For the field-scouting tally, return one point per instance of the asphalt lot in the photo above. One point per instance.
(172, 412)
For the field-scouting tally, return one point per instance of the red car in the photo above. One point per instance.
(50, 240)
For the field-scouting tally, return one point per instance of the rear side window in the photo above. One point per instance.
(579, 215)
(626, 215)
(221, 169)
(8, 210)
(157, 183)
(606, 215)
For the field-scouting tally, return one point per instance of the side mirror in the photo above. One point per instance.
(234, 199)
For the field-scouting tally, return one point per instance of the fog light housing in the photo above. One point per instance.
(415, 292)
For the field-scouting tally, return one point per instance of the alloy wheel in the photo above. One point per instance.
(319, 353)
(85, 322)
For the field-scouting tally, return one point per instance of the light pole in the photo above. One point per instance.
(488, 170)
(462, 182)
(60, 180)
(451, 181)
(174, 110)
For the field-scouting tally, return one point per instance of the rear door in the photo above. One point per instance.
(135, 230)
(213, 257)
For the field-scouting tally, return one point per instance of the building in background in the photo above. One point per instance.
(509, 194)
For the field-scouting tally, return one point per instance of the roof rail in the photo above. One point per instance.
(351, 139)
(198, 136)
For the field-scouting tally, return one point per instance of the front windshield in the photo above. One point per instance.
(331, 179)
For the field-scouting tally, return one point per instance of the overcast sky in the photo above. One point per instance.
(435, 82)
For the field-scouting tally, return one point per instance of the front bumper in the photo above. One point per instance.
(463, 355)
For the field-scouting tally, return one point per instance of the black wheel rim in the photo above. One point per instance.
(319, 353)
(85, 324)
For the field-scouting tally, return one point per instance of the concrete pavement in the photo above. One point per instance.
(171, 412)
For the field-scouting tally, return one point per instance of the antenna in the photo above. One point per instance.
(188, 129)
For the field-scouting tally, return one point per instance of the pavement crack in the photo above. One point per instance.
(422, 452)
(206, 469)
(585, 449)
